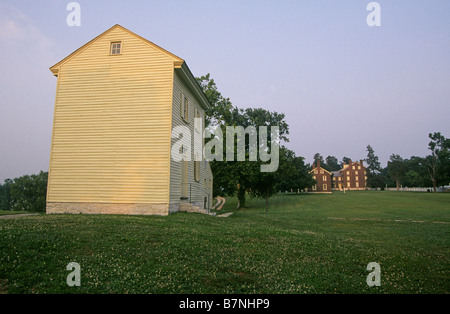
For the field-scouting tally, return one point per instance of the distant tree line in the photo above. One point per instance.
(430, 171)
(26, 193)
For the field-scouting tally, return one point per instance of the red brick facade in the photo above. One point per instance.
(323, 178)
(351, 177)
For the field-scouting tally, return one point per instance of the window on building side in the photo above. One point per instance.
(324, 186)
(184, 108)
(198, 123)
(197, 170)
(116, 48)
(184, 184)
(324, 178)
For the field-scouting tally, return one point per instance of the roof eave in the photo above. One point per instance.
(195, 86)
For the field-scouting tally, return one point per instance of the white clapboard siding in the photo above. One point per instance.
(196, 190)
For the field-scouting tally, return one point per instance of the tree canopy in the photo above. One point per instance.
(26, 193)
(240, 177)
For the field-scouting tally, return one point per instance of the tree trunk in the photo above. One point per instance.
(240, 196)
(432, 174)
(267, 203)
(398, 184)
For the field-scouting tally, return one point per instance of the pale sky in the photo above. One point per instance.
(342, 84)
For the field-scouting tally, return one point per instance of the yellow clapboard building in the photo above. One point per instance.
(118, 98)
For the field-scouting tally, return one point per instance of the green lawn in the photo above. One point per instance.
(10, 212)
(304, 244)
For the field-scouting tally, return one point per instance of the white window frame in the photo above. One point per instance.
(197, 171)
(184, 107)
(114, 50)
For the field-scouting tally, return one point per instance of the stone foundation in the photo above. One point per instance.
(192, 208)
(111, 209)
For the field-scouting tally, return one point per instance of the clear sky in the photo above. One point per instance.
(342, 84)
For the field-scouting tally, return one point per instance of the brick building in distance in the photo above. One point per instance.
(352, 176)
(323, 179)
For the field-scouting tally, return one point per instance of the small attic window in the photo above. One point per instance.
(116, 48)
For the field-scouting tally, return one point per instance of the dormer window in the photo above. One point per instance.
(116, 48)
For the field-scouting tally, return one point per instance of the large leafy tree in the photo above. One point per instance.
(221, 108)
(247, 175)
(439, 161)
(318, 158)
(416, 172)
(232, 177)
(345, 160)
(396, 168)
(5, 195)
(332, 163)
(27, 192)
(375, 178)
(293, 173)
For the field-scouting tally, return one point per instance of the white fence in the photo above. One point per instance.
(430, 189)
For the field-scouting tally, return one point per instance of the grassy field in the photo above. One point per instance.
(10, 212)
(304, 244)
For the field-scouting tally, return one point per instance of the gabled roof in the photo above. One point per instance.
(315, 168)
(177, 62)
(345, 166)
